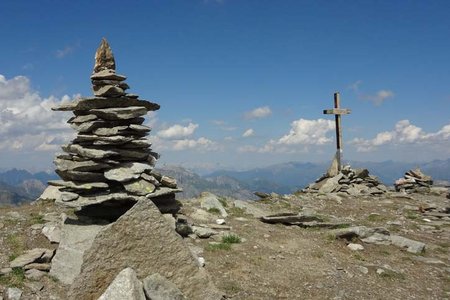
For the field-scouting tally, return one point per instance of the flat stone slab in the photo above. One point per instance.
(79, 186)
(82, 119)
(120, 113)
(85, 104)
(102, 140)
(82, 166)
(289, 218)
(104, 131)
(141, 239)
(128, 171)
(139, 187)
(30, 256)
(88, 152)
(75, 240)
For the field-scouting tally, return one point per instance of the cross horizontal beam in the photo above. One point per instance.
(337, 111)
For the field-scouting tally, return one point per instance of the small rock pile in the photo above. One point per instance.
(414, 181)
(109, 165)
(351, 181)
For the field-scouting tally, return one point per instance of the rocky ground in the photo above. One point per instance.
(403, 243)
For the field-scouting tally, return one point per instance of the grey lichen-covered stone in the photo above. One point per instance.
(88, 152)
(331, 184)
(75, 240)
(80, 176)
(125, 243)
(51, 193)
(139, 187)
(52, 232)
(119, 113)
(209, 201)
(86, 104)
(30, 256)
(102, 140)
(78, 186)
(108, 91)
(127, 171)
(169, 181)
(109, 131)
(13, 293)
(158, 287)
(34, 274)
(126, 285)
(82, 119)
(203, 232)
(107, 74)
(87, 165)
(410, 245)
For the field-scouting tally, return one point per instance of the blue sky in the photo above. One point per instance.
(241, 83)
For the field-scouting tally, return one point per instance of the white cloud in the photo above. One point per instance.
(201, 144)
(223, 125)
(26, 119)
(258, 113)
(403, 133)
(178, 131)
(302, 135)
(248, 133)
(379, 97)
(69, 49)
(308, 132)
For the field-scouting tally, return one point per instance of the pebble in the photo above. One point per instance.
(355, 247)
(201, 261)
(220, 221)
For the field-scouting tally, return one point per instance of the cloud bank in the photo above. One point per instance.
(26, 119)
(403, 133)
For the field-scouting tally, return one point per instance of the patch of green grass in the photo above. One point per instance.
(36, 219)
(376, 218)
(53, 278)
(231, 239)
(411, 215)
(231, 287)
(358, 256)
(214, 210)
(223, 201)
(318, 253)
(392, 275)
(237, 212)
(13, 279)
(16, 244)
(219, 246)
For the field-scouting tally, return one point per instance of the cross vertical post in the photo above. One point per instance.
(337, 111)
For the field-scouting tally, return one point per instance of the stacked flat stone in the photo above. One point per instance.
(350, 181)
(414, 181)
(110, 162)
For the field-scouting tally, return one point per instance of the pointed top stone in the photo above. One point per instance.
(104, 58)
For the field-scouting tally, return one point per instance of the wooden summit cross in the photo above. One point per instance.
(337, 111)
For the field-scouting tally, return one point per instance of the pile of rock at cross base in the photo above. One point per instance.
(109, 165)
(414, 181)
(350, 181)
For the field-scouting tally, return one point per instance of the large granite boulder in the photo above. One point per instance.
(141, 239)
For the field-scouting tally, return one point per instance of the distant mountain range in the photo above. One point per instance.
(20, 186)
(17, 186)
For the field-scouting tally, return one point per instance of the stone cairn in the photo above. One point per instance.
(109, 165)
(414, 181)
(350, 181)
